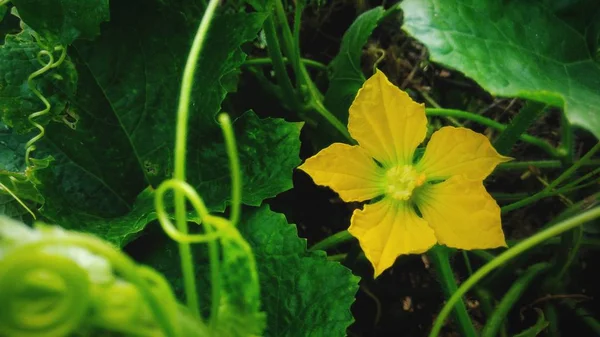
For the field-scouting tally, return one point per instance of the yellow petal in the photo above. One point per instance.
(387, 229)
(348, 170)
(462, 214)
(387, 122)
(453, 151)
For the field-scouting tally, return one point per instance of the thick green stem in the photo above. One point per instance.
(290, 48)
(494, 323)
(441, 263)
(187, 82)
(268, 61)
(508, 255)
(542, 144)
(281, 74)
(528, 114)
(333, 241)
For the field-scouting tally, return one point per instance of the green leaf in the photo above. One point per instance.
(13, 173)
(122, 122)
(529, 50)
(17, 101)
(302, 293)
(118, 230)
(63, 21)
(269, 151)
(346, 74)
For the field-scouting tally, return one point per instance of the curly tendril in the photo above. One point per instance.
(215, 227)
(47, 65)
(42, 294)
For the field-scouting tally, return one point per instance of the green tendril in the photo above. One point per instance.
(47, 294)
(215, 227)
(12, 194)
(47, 65)
(234, 164)
(185, 252)
(42, 294)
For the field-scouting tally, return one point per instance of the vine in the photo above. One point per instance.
(47, 65)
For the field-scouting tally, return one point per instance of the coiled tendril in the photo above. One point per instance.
(47, 65)
(215, 227)
(42, 294)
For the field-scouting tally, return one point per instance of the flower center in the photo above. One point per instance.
(401, 181)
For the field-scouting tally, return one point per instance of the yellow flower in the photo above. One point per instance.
(445, 186)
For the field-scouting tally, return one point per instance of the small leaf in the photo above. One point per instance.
(346, 74)
(518, 49)
(63, 21)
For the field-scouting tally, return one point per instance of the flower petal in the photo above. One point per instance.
(452, 151)
(348, 170)
(387, 229)
(387, 122)
(462, 214)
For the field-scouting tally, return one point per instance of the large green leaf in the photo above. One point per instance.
(122, 130)
(302, 293)
(63, 21)
(542, 51)
(346, 74)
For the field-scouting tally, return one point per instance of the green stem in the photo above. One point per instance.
(4, 2)
(552, 318)
(269, 61)
(281, 74)
(573, 167)
(541, 164)
(527, 115)
(290, 49)
(507, 256)
(583, 178)
(566, 140)
(318, 106)
(544, 145)
(441, 263)
(494, 323)
(333, 241)
(570, 244)
(549, 189)
(187, 82)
